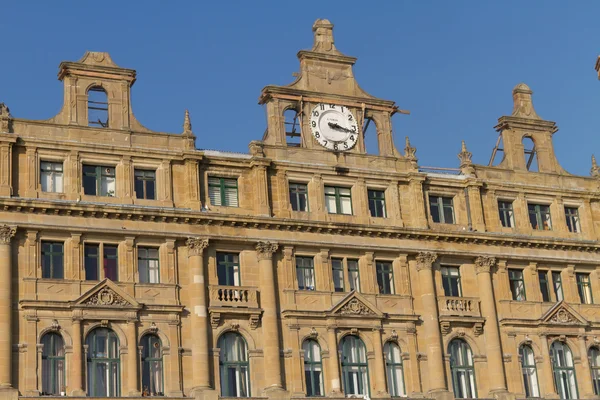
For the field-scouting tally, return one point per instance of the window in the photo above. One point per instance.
(529, 371)
(223, 191)
(557, 285)
(377, 203)
(564, 372)
(393, 366)
(99, 180)
(544, 285)
(148, 266)
(441, 209)
(517, 284)
(52, 260)
(385, 277)
(103, 363)
(152, 366)
(338, 200)
(97, 107)
(594, 359)
(228, 269)
(53, 364)
(353, 275)
(51, 176)
(145, 184)
(111, 262)
(584, 287)
(299, 196)
(313, 368)
(572, 215)
(539, 216)
(91, 254)
(507, 217)
(234, 366)
(337, 270)
(305, 273)
(461, 367)
(355, 371)
(451, 281)
(293, 134)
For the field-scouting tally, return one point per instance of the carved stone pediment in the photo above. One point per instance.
(107, 294)
(563, 314)
(355, 305)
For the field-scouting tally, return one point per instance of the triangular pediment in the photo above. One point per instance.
(563, 314)
(354, 304)
(107, 294)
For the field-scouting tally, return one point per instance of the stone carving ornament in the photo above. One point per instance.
(425, 260)
(484, 264)
(563, 317)
(355, 307)
(196, 245)
(266, 249)
(107, 297)
(7, 233)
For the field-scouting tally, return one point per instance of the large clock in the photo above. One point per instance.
(334, 126)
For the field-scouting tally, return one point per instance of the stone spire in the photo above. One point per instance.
(523, 105)
(323, 30)
(187, 124)
(595, 171)
(410, 154)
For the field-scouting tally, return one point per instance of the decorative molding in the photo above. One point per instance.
(196, 245)
(7, 233)
(478, 328)
(484, 264)
(425, 260)
(563, 317)
(409, 151)
(313, 333)
(265, 250)
(445, 328)
(106, 297)
(254, 321)
(215, 320)
(355, 307)
(153, 328)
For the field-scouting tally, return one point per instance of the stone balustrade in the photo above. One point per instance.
(233, 296)
(460, 306)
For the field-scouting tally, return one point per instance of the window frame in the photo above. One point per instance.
(374, 200)
(439, 204)
(311, 366)
(346, 344)
(140, 175)
(91, 361)
(594, 369)
(51, 272)
(52, 364)
(530, 372)
(507, 213)
(337, 197)
(380, 265)
(227, 264)
(339, 269)
(582, 285)
(448, 278)
(53, 174)
(573, 220)
(294, 193)
(521, 279)
(558, 369)
(539, 216)
(300, 267)
(350, 284)
(395, 389)
(98, 124)
(222, 187)
(544, 283)
(466, 366)
(146, 363)
(557, 286)
(146, 249)
(242, 367)
(99, 175)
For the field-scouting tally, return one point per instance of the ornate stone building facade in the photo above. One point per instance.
(134, 264)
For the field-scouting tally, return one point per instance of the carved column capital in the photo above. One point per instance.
(196, 245)
(484, 264)
(265, 250)
(7, 233)
(425, 260)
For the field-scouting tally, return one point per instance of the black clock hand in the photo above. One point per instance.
(337, 126)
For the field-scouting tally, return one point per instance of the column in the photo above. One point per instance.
(548, 390)
(586, 388)
(270, 325)
(334, 366)
(76, 381)
(6, 234)
(431, 326)
(199, 315)
(495, 362)
(132, 359)
(379, 362)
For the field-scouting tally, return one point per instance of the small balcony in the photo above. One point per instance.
(233, 296)
(459, 306)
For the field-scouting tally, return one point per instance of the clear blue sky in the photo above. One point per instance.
(453, 64)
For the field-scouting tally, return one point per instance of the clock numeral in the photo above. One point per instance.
(335, 146)
(345, 145)
(353, 128)
(350, 117)
(317, 135)
(316, 113)
(324, 142)
(332, 106)
(322, 107)
(342, 108)
(313, 123)
(352, 137)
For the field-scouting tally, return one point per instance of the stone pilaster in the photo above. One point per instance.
(380, 387)
(199, 315)
(548, 390)
(586, 390)
(132, 359)
(334, 366)
(76, 369)
(6, 234)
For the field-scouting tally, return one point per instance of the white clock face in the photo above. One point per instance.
(334, 126)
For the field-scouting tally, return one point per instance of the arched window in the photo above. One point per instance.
(594, 358)
(461, 366)
(529, 371)
(313, 368)
(53, 364)
(370, 137)
(97, 107)
(355, 371)
(152, 366)
(233, 361)
(293, 134)
(103, 363)
(564, 371)
(393, 365)
(530, 154)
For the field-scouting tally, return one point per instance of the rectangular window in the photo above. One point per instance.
(299, 196)
(572, 215)
(148, 266)
(337, 270)
(377, 203)
(53, 260)
(557, 285)
(99, 180)
(338, 200)
(385, 277)
(451, 281)
(223, 191)
(145, 184)
(544, 285)
(441, 209)
(505, 208)
(353, 275)
(51, 176)
(539, 216)
(111, 262)
(584, 287)
(305, 273)
(517, 284)
(91, 255)
(228, 269)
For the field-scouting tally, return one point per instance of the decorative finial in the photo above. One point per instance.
(464, 156)
(409, 151)
(595, 171)
(187, 124)
(4, 118)
(523, 105)
(323, 30)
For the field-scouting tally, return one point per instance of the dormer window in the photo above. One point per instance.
(97, 107)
